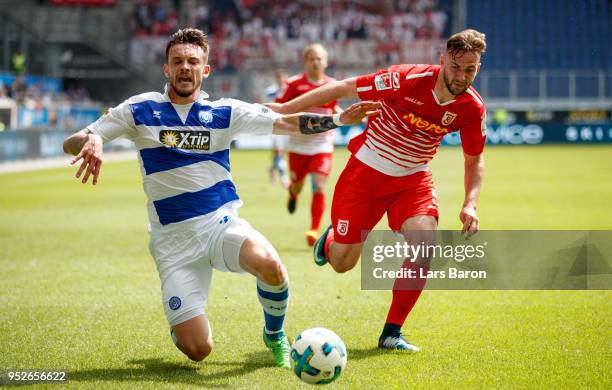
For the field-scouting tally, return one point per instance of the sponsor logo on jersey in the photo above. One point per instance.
(425, 125)
(174, 303)
(156, 114)
(342, 227)
(186, 139)
(414, 101)
(448, 118)
(206, 117)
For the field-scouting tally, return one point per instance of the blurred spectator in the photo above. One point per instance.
(18, 62)
(260, 28)
(151, 17)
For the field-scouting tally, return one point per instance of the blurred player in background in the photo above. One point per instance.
(279, 165)
(310, 154)
(192, 201)
(388, 170)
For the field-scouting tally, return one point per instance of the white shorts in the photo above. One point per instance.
(185, 258)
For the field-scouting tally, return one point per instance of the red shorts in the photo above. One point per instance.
(301, 164)
(363, 195)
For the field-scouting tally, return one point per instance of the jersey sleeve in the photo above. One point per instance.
(384, 84)
(118, 121)
(251, 119)
(474, 135)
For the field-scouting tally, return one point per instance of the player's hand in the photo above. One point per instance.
(276, 107)
(358, 111)
(469, 218)
(91, 154)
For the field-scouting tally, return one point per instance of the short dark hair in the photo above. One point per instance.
(188, 35)
(466, 41)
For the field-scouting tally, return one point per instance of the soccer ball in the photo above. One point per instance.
(318, 356)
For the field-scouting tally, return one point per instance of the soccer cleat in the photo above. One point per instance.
(291, 204)
(311, 237)
(397, 342)
(319, 248)
(281, 349)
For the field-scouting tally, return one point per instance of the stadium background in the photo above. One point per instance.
(547, 82)
(546, 76)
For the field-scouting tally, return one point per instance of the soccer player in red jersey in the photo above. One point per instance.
(388, 170)
(310, 154)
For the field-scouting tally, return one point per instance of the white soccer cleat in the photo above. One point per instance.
(397, 342)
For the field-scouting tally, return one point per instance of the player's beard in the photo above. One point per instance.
(457, 90)
(183, 92)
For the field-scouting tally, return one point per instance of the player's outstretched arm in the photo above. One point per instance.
(87, 147)
(335, 90)
(308, 123)
(473, 174)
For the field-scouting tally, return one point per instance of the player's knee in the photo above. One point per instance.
(273, 271)
(197, 351)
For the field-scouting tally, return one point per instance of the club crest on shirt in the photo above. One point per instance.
(342, 227)
(448, 118)
(185, 139)
(205, 117)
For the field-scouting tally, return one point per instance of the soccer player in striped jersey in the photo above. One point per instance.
(388, 171)
(310, 155)
(183, 143)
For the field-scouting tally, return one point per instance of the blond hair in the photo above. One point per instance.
(465, 41)
(313, 47)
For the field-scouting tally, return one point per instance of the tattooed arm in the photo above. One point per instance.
(308, 123)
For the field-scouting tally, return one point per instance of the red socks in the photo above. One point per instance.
(317, 208)
(406, 292)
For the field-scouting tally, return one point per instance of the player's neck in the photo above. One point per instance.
(315, 78)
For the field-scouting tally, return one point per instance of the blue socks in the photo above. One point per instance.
(274, 301)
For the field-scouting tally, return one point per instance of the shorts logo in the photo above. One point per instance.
(387, 81)
(206, 117)
(188, 139)
(342, 227)
(448, 118)
(174, 303)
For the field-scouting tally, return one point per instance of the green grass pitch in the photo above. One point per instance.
(79, 290)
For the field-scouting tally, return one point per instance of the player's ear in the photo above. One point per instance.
(166, 71)
(206, 71)
(442, 59)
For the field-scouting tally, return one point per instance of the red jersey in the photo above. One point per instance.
(308, 144)
(405, 136)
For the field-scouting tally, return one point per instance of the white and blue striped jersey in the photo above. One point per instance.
(184, 151)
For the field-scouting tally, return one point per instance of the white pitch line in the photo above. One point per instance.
(58, 162)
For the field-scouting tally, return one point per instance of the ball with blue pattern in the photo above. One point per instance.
(318, 356)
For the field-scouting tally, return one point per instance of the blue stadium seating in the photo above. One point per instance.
(575, 34)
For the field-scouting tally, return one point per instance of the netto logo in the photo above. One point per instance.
(198, 140)
(425, 125)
